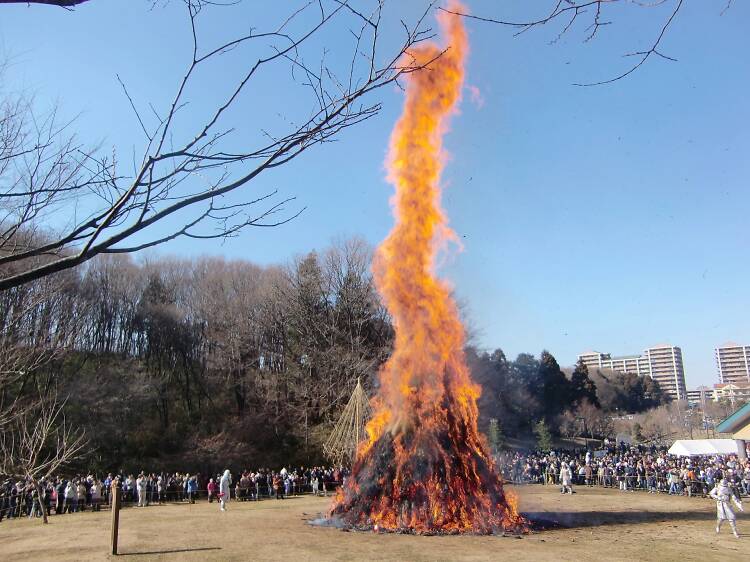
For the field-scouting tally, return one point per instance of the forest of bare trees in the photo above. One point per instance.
(191, 362)
(202, 358)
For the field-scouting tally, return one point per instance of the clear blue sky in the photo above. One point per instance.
(609, 218)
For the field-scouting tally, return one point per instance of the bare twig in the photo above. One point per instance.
(573, 9)
(178, 174)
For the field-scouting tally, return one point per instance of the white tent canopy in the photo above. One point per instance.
(694, 447)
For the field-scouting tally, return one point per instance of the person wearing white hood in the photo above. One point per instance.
(141, 485)
(224, 484)
(566, 479)
(723, 494)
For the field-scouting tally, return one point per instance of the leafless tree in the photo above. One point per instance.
(186, 178)
(593, 15)
(226, 299)
(38, 323)
(337, 331)
(237, 351)
(36, 442)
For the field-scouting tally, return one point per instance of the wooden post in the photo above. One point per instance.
(115, 494)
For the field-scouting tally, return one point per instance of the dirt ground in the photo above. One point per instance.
(596, 524)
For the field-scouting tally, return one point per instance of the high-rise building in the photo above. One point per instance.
(594, 359)
(732, 363)
(663, 363)
(637, 364)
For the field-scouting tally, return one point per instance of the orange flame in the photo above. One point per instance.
(424, 467)
(429, 334)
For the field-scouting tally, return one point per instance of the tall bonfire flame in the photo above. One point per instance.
(424, 468)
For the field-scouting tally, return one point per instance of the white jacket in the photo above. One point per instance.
(565, 476)
(724, 496)
(224, 483)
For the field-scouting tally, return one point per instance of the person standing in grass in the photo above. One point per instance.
(278, 487)
(70, 498)
(211, 490)
(35, 510)
(191, 487)
(141, 485)
(723, 495)
(160, 488)
(107, 488)
(566, 479)
(81, 488)
(224, 487)
(60, 496)
(588, 474)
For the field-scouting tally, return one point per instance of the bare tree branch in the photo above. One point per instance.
(569, 11)
(67, 4)
(42, 169)
(644, 55)
(36, 441)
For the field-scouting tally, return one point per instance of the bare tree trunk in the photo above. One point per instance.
(41, 501)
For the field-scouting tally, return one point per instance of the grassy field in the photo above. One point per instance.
(596, 524)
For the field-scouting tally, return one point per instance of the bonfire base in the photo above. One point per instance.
(427, 482)
(338, 523)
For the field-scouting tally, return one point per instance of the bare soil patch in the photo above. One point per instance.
(593, 524)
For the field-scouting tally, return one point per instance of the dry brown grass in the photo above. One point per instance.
(602, 525)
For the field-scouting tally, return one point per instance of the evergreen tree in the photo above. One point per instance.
(543, 436)
(582, 387)
(526, 384)
(653, 395)
(556, 388)
(526, 371)
(510, 389)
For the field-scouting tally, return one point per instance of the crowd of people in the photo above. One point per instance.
(19, 498)
(629, 469)
(723, 478)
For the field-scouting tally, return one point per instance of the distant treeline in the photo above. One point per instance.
(191, 364)
(528, 390)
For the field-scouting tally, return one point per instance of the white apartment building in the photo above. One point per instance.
(637, 364)
(663, 363)
(732, 363)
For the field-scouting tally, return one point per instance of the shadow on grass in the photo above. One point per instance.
(172, 551)
(570, 520)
